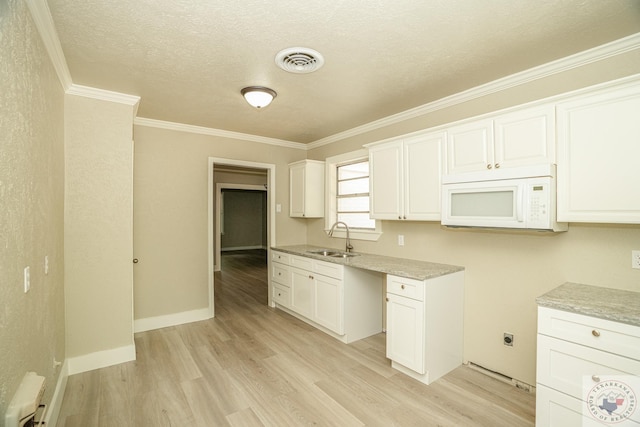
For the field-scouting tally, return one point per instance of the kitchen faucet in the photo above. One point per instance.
(348, 243)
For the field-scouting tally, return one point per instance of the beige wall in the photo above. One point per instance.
(31, 206)
(98, 225)
(170, 213)
(506, 271)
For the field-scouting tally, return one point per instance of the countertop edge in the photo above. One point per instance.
(402, 267)
(611, 304)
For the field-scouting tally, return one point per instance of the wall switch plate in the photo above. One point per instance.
(46, 264)
(635, 259)
(27, 279)
(400, 240)
(278, 207)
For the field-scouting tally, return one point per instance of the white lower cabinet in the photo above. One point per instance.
(342, 301)
(280, 279)
(424, 325)
(575, 353)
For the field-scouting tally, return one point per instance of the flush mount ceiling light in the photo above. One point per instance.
(258, 96)
(299, 60)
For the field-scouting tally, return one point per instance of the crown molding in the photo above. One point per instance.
(44, 23)
(617, 47)
(180, 127)
(103, 95)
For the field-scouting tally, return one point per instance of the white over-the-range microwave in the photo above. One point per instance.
(519, 198)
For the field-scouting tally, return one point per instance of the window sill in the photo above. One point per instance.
(370, 235)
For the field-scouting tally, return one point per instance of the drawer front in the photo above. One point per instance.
(597, 333)
(281, 295)
(280, 257)
(563, 365)
(301, 262)
(328, 269)
(409, 288)
(280, 274)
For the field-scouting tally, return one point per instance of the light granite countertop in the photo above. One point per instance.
(605, 303)
(412, 269)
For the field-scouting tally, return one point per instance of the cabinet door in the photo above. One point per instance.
(555, 409)
(470, 147)
(598, 152)
(297, 177)
(329, 303)
(302, 292)
(525, 137)
(385, 181)
(422, 172)
(405, 332)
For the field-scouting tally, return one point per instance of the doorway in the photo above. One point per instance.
(248, 176)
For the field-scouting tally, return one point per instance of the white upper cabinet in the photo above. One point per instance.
(405, 178)
(520, 138)
(306, 189)
(599, 156)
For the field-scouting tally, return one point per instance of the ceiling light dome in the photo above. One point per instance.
(258, 96)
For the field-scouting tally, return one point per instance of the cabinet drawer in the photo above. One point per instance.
(563, 365)
(597, 333)
(409, 288)
(280, 257)
(328, 269)
(280, 274)
(301, 262)
(555, 409)
(281, 295)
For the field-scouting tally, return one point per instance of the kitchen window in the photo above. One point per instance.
(347, 184)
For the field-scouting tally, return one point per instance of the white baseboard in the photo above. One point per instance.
(101, 359)
(150, 323)
(54, 406)
(242, 248)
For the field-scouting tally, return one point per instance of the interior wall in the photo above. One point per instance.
(506, 271)
(243, 220)
(32, 333)
(98, 226)
(170, 213)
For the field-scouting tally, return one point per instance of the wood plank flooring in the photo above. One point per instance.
(256, 366)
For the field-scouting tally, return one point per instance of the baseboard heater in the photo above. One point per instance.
(504, 378)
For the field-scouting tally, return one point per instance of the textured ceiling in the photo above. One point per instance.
(188, 59)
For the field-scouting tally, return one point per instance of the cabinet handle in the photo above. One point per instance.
(401, 286)
(595, 378)
(399, 217)
(405, 217)
(387, 299)
(311, 277)
(595, 333)
(489, 166)
(497, 165)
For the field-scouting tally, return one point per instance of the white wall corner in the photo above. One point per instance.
(101, 359)
(54, 406)
(174, 319)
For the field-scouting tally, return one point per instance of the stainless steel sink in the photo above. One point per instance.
(332, 253)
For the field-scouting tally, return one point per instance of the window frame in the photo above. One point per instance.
(331, 194)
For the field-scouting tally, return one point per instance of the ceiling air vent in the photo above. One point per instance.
(299, 60)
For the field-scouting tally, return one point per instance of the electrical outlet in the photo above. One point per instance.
(400, 240)
(508, 339)
(27, 279)
(635, 259)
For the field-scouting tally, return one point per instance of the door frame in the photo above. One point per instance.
(271, 213)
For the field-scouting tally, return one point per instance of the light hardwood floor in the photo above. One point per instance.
(256, 366)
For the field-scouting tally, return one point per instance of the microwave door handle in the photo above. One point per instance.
(520, 202)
